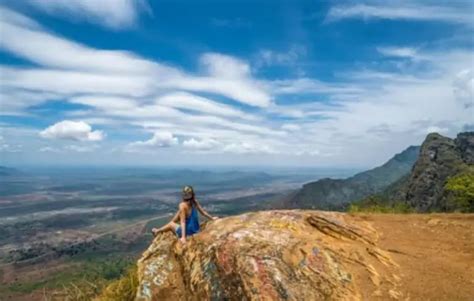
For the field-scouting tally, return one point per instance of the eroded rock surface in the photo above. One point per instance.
(272, 255)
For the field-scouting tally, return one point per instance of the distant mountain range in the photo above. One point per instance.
(335, 194)
(7, 171)
(418, 177)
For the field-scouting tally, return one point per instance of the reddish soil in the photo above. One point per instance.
(435, 252)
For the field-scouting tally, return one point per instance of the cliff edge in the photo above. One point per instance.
(312, 255)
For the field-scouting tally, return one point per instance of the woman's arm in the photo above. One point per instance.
(175, 218)
(203, 212)
(182, 217)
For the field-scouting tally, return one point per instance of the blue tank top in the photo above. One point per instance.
(192, 223)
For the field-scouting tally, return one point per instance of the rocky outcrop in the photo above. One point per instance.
(440, 158)
(336, 194)
(465, 146)
(272, 255)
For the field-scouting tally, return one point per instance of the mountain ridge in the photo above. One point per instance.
(335, 194)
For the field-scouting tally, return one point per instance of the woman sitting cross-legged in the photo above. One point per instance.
(187, 216)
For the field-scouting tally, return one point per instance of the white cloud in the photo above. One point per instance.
(72, 130)
(244, 90)
(27, 42)
(290, 127)
(463, 86)
(81, 148)
(403, 11)
(71, 82)
(15, 101)
(225, 75)
(249, 148)
(115, 14)
(159, 139)
(105, 102)
(403, 52)
(306, 85)
(71, 68)
(203, 144)
(187, 101)
(225, 66)
(69, 148)
(434, 129)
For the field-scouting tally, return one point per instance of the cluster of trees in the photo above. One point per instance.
(460, 192)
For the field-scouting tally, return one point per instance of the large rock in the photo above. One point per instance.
(272, 255)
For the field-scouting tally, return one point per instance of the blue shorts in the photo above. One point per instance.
(188, 233)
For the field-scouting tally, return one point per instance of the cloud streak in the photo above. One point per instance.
(415, 11)
(109, 13)
(82, 69)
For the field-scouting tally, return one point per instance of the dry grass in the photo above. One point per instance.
(123, 289)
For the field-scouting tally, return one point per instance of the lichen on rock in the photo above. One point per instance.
(271, 255)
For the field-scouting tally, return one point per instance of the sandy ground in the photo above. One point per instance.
(435, 252)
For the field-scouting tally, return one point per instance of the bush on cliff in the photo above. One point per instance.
(460, 192)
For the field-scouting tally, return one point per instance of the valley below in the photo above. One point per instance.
(62, 225)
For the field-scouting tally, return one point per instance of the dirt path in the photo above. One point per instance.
(435, 252)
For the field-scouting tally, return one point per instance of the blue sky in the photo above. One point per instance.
(299, 83)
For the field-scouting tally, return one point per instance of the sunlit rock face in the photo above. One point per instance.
(272, 255)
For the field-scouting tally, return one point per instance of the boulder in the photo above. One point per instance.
(272, 255)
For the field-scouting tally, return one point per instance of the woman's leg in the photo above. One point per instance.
(171, 226)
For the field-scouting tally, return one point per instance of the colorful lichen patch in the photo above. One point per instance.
(283, 224)
(225, 257)
(316, 260)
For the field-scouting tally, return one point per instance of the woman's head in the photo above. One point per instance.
(188, 193)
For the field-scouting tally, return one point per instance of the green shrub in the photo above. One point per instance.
(123, 289)
(460, 192)
(378, 204)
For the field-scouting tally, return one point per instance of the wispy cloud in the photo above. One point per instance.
(82, 69)
(109, 13)
(402, 52)
(187, 101)
(410, 10)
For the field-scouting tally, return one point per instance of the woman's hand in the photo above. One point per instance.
(153, 231)
(182, 240)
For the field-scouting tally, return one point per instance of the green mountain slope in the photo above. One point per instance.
(335, 194)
